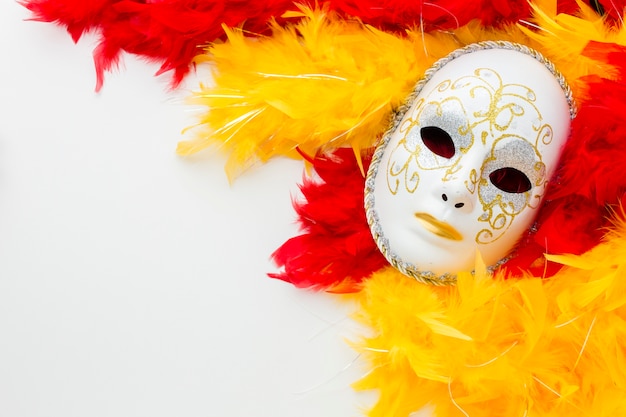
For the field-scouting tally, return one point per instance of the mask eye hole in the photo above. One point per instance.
(438, 141)
(510, 180)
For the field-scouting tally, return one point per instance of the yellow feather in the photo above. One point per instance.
(562, 39)
(326, 82)
(319, 84)
(545, 347)
(570, 260)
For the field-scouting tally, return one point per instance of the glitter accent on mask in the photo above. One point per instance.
(501, 207)
(448, 116)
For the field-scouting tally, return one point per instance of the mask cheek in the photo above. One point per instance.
(500, 233)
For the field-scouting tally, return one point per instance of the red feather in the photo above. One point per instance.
(171, 32)
(572, 224)
(336, 250)
(612, 9)
(78, 16)
(443, 14)
(593, 160)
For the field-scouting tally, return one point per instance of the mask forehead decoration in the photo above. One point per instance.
(466, 162)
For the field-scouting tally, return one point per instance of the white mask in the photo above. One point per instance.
(466, 163)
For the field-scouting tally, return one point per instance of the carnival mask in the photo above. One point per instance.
(467, 161)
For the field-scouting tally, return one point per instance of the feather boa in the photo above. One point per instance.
(327, 82)
(168, 32)
(171, 31)
(490, 346)
(335, 251)
(322, 83)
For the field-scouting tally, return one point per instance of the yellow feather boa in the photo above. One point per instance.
(496, 347)
(326, 82)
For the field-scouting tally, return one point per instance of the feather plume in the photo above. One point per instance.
(318, 85)
(590, 163)
(613, 10)
(77, 16)
(535, 347)
(326, 82)
(335, 251)
(564, 37)
(309, 80)
(171, 32)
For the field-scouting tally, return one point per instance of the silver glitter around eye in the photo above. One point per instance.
(414, 138)
(451, 118)
(519, 154)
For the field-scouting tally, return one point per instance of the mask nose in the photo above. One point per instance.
(460, 201)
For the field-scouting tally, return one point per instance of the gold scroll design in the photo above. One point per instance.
(506, 104)
(404, 163)
(499, 105)
(500, 214)
(406, 170)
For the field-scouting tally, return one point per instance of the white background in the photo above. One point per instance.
(132, 281)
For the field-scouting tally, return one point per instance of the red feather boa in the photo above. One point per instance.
(336, 251)
(171, 32)
(589, 165)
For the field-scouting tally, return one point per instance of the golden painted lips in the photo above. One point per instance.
(437, 227)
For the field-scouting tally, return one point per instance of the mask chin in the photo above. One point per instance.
(465, 164)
